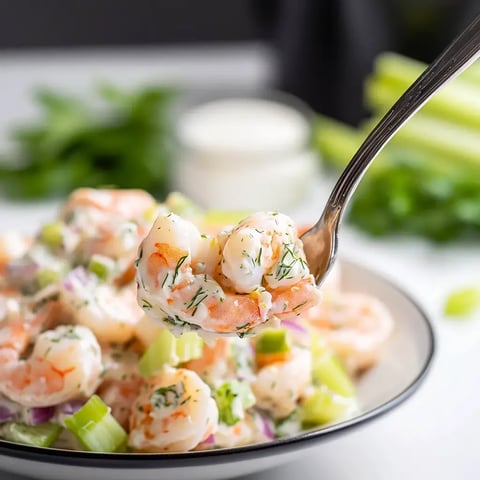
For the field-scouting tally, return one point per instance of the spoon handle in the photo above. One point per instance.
(463, 51)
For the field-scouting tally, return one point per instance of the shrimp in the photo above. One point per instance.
(127, 204)
(110, 313)
(121, 381)
(12, 246)
(110, 223)
(65, 364)
(355, 325)
(225, 358)
(173, 413)
(279, 386)
(247, 277)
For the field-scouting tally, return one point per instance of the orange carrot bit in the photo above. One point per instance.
(264, 359)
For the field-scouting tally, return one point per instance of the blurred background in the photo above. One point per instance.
(92, 93)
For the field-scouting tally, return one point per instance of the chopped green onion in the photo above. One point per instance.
(52, 234)
(232, 399)
(96, 428)
(323, 406)
(462, 302)
(47, 276)
(101, 266)
(42, 435)
(272, 340)
(328, 370)
(167, 350)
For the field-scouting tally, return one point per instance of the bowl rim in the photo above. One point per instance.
(227, 455)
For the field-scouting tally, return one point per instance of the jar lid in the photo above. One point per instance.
(243, 126)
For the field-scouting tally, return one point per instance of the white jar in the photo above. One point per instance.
(244, 154)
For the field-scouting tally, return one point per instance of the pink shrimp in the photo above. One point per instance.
(244, 279)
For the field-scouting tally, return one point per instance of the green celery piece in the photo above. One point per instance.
(96, 428)
(337, 143)
(161, 352)
(404, 70)
(47, 276)
(52, 234)
(327, 370)
(43, 435)
(101, 266)
(272, 340)
(462, 303)
(225, 217)
(181, 205)
(458, 102)
(439, 139)
(168, 350)
(188, 347)
(232, 399)
(321, 407)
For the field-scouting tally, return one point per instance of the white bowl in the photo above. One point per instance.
(399, 373)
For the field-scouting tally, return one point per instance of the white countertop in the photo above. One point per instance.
(434, 434)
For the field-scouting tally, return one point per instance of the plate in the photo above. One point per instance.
(397, 376)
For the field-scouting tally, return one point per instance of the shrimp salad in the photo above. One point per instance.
(128, 325)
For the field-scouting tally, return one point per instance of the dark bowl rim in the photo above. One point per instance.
(227, 455)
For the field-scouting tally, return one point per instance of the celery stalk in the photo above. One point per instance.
(439, 138)
(232, 399)
(272, 340)
(168, 350)
(96, 428)
(458, 102)
(43, 435)
(322, 407)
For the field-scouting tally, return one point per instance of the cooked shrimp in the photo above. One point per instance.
(19, 324)
(12, 246)
(173, 413)
(127, 204)
(223, 359)
(279, 386)
(110, 313)
(223, 285)
(355, 325)
(121, 381)
(65, 364)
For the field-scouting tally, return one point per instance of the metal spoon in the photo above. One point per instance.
(321, 241)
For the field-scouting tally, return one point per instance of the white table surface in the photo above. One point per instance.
(433, 435)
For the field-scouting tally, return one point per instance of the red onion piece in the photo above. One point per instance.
(294, 327)
(267, 428)
(210, 440)
(68, 408)
(7, 414)
(36, 415)
(20, 271)
(77, 276)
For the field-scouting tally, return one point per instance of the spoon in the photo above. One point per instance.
(321, 241)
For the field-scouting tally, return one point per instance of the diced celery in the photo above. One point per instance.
(225, 217)
(161, 352)
(178, 203)
(327, 370)
(323, 406)
(462, 303)
(167, 350)
(189, 346)
(46, 276)
(232, 399)
(101, 266)
(52, 234)
(42, 435)
(272, 340)
(96, 428)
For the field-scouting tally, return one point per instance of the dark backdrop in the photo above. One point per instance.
(324, 47)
